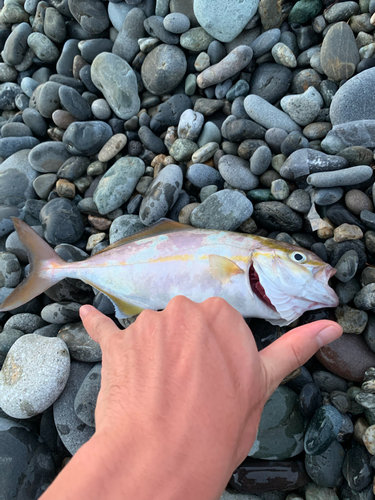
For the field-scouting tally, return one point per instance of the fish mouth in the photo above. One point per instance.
(258, 289)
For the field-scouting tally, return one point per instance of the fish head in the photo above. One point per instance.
(290, 279)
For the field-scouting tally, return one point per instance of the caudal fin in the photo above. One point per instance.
(42, 259)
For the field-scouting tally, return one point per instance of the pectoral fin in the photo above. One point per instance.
(223, 269)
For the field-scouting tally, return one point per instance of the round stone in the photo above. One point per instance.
(202, 175)
(86, 138)
(25, 322)
(61, 221)
(10, 270)
(275, 216)
(322, 430)
(176, 22)
(33, 376)
(81, 346)
(163, 69)
(48, 157)
(237, 173)
(124, 226)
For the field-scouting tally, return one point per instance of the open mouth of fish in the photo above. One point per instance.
(257, 288)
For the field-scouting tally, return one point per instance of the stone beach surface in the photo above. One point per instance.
(253, 116)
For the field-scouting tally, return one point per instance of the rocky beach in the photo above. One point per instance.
(254, 116)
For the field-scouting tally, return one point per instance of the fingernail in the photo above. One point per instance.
(329, 334)
(84, 311)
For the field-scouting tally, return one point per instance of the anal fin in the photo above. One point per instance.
(123, 309)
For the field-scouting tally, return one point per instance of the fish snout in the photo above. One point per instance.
(325, 273)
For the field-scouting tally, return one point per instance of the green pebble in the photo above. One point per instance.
(304, 10)
(260, 195)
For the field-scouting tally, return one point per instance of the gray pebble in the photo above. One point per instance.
(329, 196)
(261, 160)
(267, 115)
(43, 47)
(365, 299)
(225, 210)
(309, 161)
(38, 368)
(264, 43)
(124, 226)
(25, 322)
(299, 200)
(237, 173)
(347, 266)
(190, 125)
(48, 156)
(210, 133)
(59, 314)
(126, 43)
(176, 23)
(202, 175)
(347, 177)
(275, 216)
(10, 270)
(85, 400)
(81, 346)
(279, 189)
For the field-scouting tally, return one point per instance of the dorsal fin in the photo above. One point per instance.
(163, 226)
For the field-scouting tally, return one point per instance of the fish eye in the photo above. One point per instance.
(298, 257)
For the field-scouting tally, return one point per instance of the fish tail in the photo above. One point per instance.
(42, 258)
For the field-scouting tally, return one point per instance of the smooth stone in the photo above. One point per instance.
(163, 69)
(73, 168)
(340, 215)
(268, 115)
(347, 177)
(90, 14)
(155, 28)
(329, 382)
(235, 61)
(126, 43)
(117, 81)
(6, 224)
(225, 19)
(264, 42)
(13, 245)
(279, 189)
(34, 120)
(16, 180)
(224, 210)
(72, 431)
(48, 157)
(348, 357)
(357, 155)
(176, 22)
(283, 55)
(43, 47)
(347, 232)
(15, 130)
(339, 56)
(304, 10)
(47, 98)
(54, 25)
(201, 175)
(28, 467)
(325, 469)
(271, 82)
(190, 125)
(16, 46)
(161, 194)
(196, 40)
(303, 108)
(10, 270)
(30, 384)
(7, 339)
(117, 13)
(87, 395)
(124, 226)
(357, 469)
(347, 266)
(8, 94)
(322, 430)
(81, 346)
(347, 291)
(300, 201)
(274, 215)
(237, 173)
(74, 103)
(11, 145)
(310, 399)
(25, 322)
(260, 160)
(118, 183)
(261, 476)
(356, 133)
(60, 313)
(169, 113)
(365, 298)
(91, 48)
(86, 138)
(281, 428)
(242, 129)
(101, 110)
(352, 101)
(44, 184)
(61, 221)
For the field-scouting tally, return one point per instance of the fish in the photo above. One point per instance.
(259, 277)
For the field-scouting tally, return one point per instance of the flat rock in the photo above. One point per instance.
(48, 157)
(310, 161)
(267, 115)
(33, 375)
(117, 81)
(225, 19)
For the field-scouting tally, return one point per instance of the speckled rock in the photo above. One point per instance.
(33, 376)
(274, 215)
(81, 346)
(85, 400)
(225, 210)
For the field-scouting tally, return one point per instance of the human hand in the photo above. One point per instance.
(183, 390)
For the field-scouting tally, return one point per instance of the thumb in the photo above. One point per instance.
(294, 348)
(97, 325)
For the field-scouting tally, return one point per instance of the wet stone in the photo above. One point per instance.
(325, 469)
(81, 346)
(33, 375)
(357, 469)
(61, 221)
(310, 399)
(322, 430)
(280, 432)
(341, 401)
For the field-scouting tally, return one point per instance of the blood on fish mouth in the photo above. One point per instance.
(257, 287)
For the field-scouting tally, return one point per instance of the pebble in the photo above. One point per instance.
(299, 201)
(163, 69)
(339, 54)
(347, 177)
(13, 244)
(118, 183)
(274, 215)
(124, 226)
(260, 160)
(325, 469)
(87, 395)
(357, 469)
(72, 431)
(347, 266)
(161, 194)
(280, 432)
(112, 147)
(190, 125)
(322, 430)
(283, 55)
(120, 92)
(31, 382)
(92, 16)
(81, 346)
(369, 439)
(226, 19)
(61, 221)
(271, 82)
(10, 270)
(351, 320)
(303, 108)
(267, 115)
(176, 22)
(86, 138)
(201, 175)
(237, 173)
(235, 61)
(225, 210)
